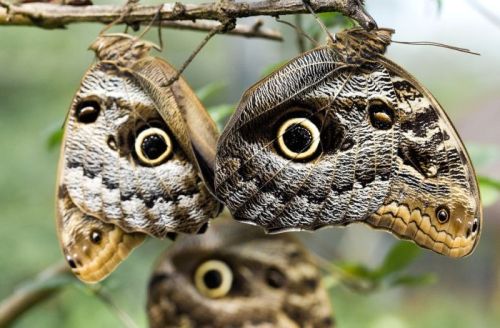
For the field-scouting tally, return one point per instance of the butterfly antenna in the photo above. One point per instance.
(229, 24)
(437, 44)
(126, 9)
(299, 31)
(308, 6)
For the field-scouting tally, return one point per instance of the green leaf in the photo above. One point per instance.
(399, 257)
(414, 280)
(220, 113)
(55, 139)
(210, 90)
(490, 190)
(483, 155)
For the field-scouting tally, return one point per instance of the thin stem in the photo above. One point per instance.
(37, 291)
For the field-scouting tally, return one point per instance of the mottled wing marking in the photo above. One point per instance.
(435, 171)
(109, 184)
(385, 143)
(92, 248)
(276, 283)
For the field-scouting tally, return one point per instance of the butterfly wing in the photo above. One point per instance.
(435, 197)
(322, 142)
(236, 276)
(92, 248)
(262, 175)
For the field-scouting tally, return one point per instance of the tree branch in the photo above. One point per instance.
(49, 15)
(45, 285)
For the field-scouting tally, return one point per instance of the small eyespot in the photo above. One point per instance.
(71, 262)
(87, 111)
(213, 279)
(96, 237)
(153, 146)
(202, 229)
(172, 236)
(475, 226)
(112, 143)
(442, 214)
(381, 115)
(298, 138)
(275, 278)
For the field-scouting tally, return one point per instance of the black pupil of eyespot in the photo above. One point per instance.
(71, 262)
(96, 237)
(87, 111)
(442, 215)
(381, 116)
(475, 226)
(297, 138)
(275, 278)
(153, 146)
(212, 279)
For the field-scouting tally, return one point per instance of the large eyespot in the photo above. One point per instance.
(442, 214)
(298, 138)
(213, 279)
(381, 115)
(87, 111)
(153, 146)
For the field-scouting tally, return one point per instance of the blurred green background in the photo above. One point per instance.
(40, 71)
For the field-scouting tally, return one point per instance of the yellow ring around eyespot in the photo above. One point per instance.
(310, 126)
(225, 272)
(140, 139)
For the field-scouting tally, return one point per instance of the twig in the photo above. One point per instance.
(36, 292)
(301, 42)
(100, 293)
(221, 28)
(56, 16)
(485, 12)
(253, 31)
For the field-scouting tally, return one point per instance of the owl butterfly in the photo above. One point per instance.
(236, 276)
(341, 134)
(131, 160)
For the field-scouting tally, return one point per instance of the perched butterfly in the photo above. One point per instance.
(133, 159)
(236, 276)
(341, 134)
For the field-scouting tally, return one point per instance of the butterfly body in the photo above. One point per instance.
(236, 276)
(128, 157)
(340, 135)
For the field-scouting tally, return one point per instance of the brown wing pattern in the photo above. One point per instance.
(236, 276)
(341, 135)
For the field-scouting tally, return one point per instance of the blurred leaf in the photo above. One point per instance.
(490, 190)
(271, 68)
(483, 155)
(399, 257)
(356, 270)
(53, 135)
(221, 113)
(210, 90)
(55, 139)
(439, 5)
(414, 280)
